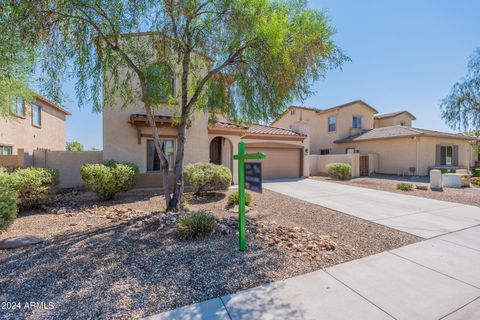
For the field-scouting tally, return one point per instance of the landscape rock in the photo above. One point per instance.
(17, 242)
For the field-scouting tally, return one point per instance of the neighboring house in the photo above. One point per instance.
(37, 125)
(127, 137)
(356, 127)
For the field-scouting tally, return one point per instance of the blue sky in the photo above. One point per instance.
(406, 55)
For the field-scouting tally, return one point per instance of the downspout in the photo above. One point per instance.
(418, 156)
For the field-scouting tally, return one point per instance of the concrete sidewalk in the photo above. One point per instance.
(423, 217)
(434, 279)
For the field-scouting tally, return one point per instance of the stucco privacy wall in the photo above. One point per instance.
(394, 155)
(19, 133)
(67, 163)
(318, 163)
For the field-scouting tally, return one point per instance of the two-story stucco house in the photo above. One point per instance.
(37, 125)
(356, 127)
(127, 136)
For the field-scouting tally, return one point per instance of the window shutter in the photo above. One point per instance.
(438, 155)
(455, 156)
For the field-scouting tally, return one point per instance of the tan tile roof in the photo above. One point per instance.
(334, 108)
(258, 129)
(398, 132)
(393, 114)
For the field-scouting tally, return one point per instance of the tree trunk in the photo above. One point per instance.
(161, 155)
(175, 203)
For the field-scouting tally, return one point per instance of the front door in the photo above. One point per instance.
(216, 150)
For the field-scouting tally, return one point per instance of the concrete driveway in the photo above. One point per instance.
(423, 217)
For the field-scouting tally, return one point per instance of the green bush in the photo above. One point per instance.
(476, 172)
(233, 198)
(8, 206)
(448, 171)
(34, 186)
(205, 177)
(405, 186)
(109, 178)
(341, 171)
(197, 224)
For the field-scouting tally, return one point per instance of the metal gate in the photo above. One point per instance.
(364, 172)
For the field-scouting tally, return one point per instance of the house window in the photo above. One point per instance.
(332, 124)
(153, 161)
(402, 123)
(324, 151)
(446, 155)
(5, 150)
(357, 122)
(18, 107)
(350, 150)
(36, 115)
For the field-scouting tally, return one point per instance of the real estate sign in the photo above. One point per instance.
(253, 176)
(241, 157)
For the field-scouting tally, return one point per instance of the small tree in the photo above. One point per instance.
(262, 54)
(461, 108)
(75, 146)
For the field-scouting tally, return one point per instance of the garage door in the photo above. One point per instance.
(281, 162)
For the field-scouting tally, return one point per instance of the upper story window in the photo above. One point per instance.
(18, 106)
(161, 83)
(324, 151)
(332, 124)
(36, 115)
(5, 150)
(402, 123)
(357, 122)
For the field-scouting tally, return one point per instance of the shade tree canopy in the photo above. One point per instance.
(257, 56)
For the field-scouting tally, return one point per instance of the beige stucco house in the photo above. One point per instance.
(37, 125)
(399, 148)
(128, 137)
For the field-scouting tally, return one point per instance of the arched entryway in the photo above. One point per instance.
(221, 151)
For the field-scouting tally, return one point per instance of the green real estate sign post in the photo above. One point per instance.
(242, 223)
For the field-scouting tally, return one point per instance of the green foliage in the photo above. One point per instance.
(476, 172)
(75, 146)
(475, 181)
(448, 171)
(197, 224)
(461, 108)
(205, 177)
(34, 186)
(8, 206)
(109, 178)
(233, 198)
(341, 171)
(405, 186)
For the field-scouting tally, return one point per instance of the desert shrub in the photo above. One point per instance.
(476, 172)
(475, 181)
(34, 186)
(198, 224)
(341, 171)
(233, 198)
(109, 178)
(205, 177)
(8, 206)
(404, 186)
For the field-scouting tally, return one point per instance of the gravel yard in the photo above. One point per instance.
(470, 196)
(124, 259)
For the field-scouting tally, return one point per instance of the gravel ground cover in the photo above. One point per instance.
(123, 259)
(470, 196)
